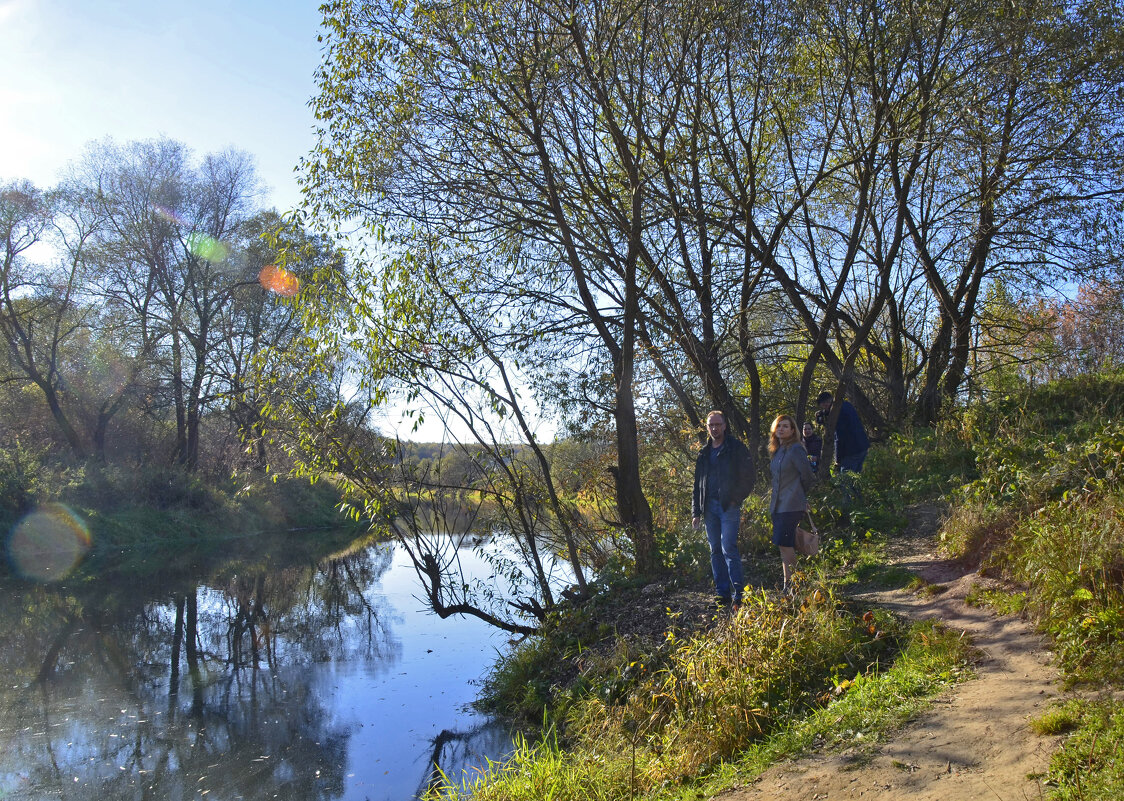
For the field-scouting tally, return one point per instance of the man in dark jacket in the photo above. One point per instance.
(851, 443)
(723, 479)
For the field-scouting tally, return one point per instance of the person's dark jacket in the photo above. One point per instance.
(814, 445)
(736, 464)
(850, 436)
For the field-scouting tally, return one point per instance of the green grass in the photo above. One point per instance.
(1060, 718)
(861, 568)
(1002, 602)
(923, 587)
(872, 706)
(883, 577)
(1089, 765)
(777, 680)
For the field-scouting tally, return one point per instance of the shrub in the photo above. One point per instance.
(19, 481)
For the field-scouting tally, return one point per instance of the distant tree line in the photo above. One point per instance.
(131, 311)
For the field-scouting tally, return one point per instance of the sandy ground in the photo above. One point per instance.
(975, 743)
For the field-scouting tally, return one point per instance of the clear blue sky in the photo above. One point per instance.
(210, 74)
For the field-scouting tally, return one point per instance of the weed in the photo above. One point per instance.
(1088, 765)
(1002, 602)
(1058, 719)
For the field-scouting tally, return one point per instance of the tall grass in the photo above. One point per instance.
(717, 694)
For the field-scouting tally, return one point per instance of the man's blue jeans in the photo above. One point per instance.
(725, 559)
(848, 466)
(852, 463)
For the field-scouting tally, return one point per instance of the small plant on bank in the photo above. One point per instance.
(1058, 719)
(923, 587)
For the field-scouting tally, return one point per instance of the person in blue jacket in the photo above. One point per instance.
(851, 443)
(723, 479)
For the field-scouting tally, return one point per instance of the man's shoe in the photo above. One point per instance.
(721, 602)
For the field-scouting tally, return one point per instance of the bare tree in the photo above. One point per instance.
(164, 262)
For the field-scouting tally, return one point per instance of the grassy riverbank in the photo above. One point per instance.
(769, 682)
(166, 522)
(1034, 488)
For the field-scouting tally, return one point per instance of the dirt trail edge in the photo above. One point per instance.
(975, 742)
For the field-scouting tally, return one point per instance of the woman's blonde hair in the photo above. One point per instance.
(774, 441)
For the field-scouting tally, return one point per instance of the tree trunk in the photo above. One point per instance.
(632, 506)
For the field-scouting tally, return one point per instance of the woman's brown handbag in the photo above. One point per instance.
(808, 541)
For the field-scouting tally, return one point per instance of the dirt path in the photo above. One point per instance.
(974, 743)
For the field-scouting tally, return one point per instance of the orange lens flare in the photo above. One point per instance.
(279, 281)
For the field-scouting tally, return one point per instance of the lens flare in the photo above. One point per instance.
(279, 281)
(207, 248)
(48, 543)
(167, 214)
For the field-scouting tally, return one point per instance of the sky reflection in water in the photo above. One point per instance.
(355, 692)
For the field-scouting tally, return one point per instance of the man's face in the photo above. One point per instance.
(716, 426)
(825, 406)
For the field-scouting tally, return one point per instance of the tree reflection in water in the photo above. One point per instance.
(452, 750)
(98, 704)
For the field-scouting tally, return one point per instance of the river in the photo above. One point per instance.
(326, 681)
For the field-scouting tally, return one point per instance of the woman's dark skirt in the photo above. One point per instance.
(784, 528)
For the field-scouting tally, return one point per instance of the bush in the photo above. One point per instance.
(920, 465)
(684, 553)
(19, 482)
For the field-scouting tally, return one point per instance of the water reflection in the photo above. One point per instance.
(323, 682)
